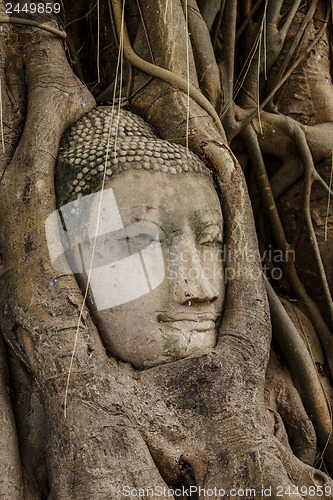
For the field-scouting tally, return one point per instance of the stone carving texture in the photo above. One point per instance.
(92, 147)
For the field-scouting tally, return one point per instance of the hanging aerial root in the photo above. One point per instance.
(262, 36)
(329, 200)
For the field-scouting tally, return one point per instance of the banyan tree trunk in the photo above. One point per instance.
(199, 421)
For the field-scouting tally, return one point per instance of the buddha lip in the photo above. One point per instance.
(198, 317)
(190, 325)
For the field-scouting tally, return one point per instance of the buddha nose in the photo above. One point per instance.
(192, 284)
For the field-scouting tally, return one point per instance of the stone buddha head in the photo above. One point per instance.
(145, 228)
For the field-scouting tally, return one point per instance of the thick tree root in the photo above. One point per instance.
(204, 57)
(11, 484)
(35, 24)
(161, 73)
(304, 373)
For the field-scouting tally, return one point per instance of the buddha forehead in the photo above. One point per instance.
(106, 143)
(171, 201)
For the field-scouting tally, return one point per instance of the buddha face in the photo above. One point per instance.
(179, 317)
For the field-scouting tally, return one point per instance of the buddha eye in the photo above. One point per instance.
(144, 236)
(211, 236)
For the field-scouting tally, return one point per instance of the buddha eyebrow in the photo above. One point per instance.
(148, 221)
(201, 220)
(209, 210)
(146, 207)
(209, 224)
(202, 214)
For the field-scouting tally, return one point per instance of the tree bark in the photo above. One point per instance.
(198, 421)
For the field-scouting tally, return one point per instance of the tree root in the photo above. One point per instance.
(276, 128)
(35, 24)
(289, 420)
(11, 484)
(205, 62)
(244, 123)
(161, 73)
(248, 18)
(309, 177)
(304, 373)
(296, 42)
(257, 162)
(227, 62)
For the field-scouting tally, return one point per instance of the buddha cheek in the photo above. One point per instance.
(131, 331)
